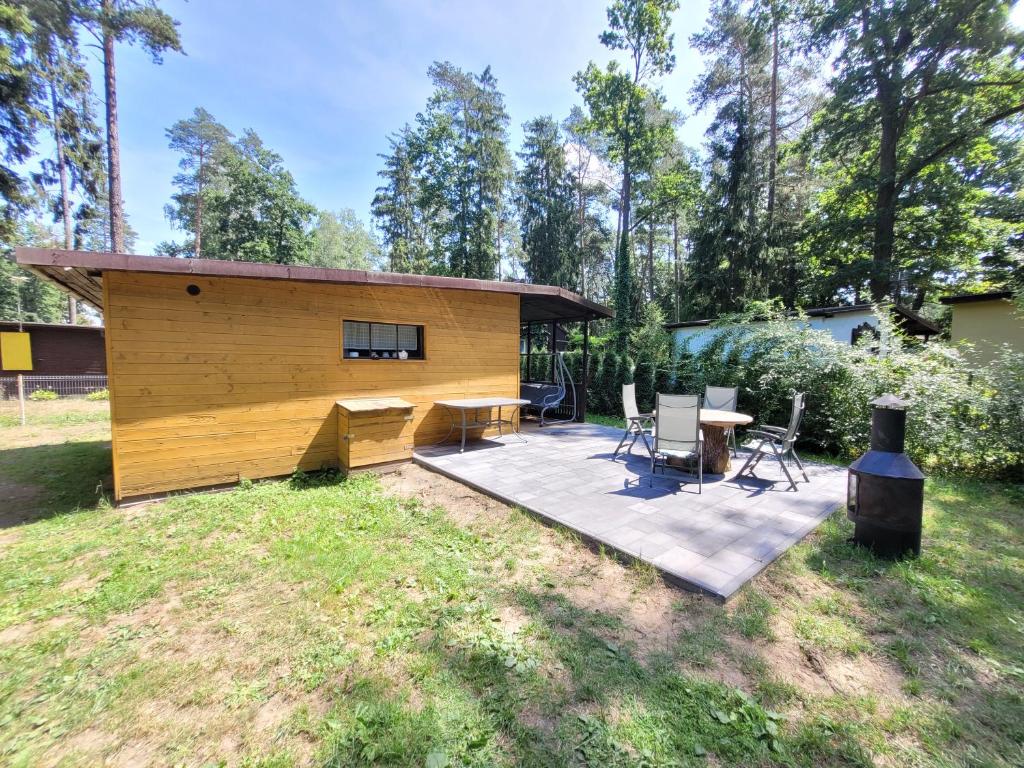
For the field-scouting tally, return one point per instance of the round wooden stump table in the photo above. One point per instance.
(715, 424)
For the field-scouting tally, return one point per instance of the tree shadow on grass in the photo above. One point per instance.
(45, 481)
(562, 693)
(950, 611)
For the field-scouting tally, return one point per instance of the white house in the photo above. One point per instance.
(846, 324)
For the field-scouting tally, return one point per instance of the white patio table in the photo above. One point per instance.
(466, 414)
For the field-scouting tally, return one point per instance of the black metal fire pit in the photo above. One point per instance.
(886, 490)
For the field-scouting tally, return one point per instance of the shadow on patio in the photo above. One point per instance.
(712, 542)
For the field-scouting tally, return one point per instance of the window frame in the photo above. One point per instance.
(420, 355)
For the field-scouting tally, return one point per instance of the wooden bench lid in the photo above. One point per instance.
(368, 404)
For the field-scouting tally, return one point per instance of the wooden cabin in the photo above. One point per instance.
(222, 370)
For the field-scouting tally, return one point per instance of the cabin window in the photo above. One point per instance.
(381, 341)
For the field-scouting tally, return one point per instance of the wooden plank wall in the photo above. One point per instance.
(241, 380)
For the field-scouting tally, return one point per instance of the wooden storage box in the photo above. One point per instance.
(374, 430)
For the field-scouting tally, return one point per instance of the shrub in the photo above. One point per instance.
(99, 394)
(43, 394)
(960, 420)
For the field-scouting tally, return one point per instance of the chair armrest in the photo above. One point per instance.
(645, 415)
(767, 428)
(774, 437)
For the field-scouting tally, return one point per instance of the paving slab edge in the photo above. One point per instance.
(591, 540)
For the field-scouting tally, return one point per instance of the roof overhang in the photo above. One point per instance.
(81, 273)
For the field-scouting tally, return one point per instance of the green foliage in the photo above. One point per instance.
(98, 395)
(203, 144)
(921, 93)
(341, 241)
(254, 210)
(546, 201)
(626, 110)
(40, 301)
(20, 115)
(41, 395)
(442, 207)
(959, 420)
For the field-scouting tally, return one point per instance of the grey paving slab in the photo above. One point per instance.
(714, 541)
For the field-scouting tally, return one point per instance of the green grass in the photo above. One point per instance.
(325, 621)
(54, 413)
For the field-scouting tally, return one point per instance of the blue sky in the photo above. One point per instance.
(324, 83)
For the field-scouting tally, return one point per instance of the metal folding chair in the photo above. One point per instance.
(637, 424)
(677, 433)
(778, 443)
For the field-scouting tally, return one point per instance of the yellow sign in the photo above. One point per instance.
(15, 352)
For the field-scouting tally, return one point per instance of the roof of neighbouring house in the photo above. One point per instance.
(910, 321)
(970, 298)
(7, 325)
(79, 273)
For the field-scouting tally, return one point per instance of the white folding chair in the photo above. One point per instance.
(677, 433)
(723, 399)
(637, 424)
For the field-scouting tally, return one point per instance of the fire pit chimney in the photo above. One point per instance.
(885, 497)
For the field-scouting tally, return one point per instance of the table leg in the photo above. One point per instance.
(716, 450)
(462, 447)
(499, 421)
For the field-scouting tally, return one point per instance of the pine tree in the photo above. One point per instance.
(203, 143)
(546, 207)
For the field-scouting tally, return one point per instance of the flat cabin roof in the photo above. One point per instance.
(80, 273)
(970, 298)
(12, 325)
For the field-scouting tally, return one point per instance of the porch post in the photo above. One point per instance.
(553, 349)
(529, 350)
(581, 406)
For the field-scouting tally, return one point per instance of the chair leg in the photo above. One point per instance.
(751, 463)
(745, 465)
(700, 469)
(785, 469)
(643, 436)
(625, 437)
(732, 439)
(801, 465)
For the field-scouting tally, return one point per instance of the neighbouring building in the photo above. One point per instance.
(845, 324)
(222, 370)
(987, 321)
(50, 349)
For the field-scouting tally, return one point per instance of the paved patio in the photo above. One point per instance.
(714, 542)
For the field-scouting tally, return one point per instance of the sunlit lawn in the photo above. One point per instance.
(330, 622)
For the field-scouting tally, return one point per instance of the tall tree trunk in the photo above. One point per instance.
(113, 140)
(623, 262)
(677, 288)
(650, 259)
(773, 119)
(582, 224)
(197, 245)
(62, 173)
(885, 205)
